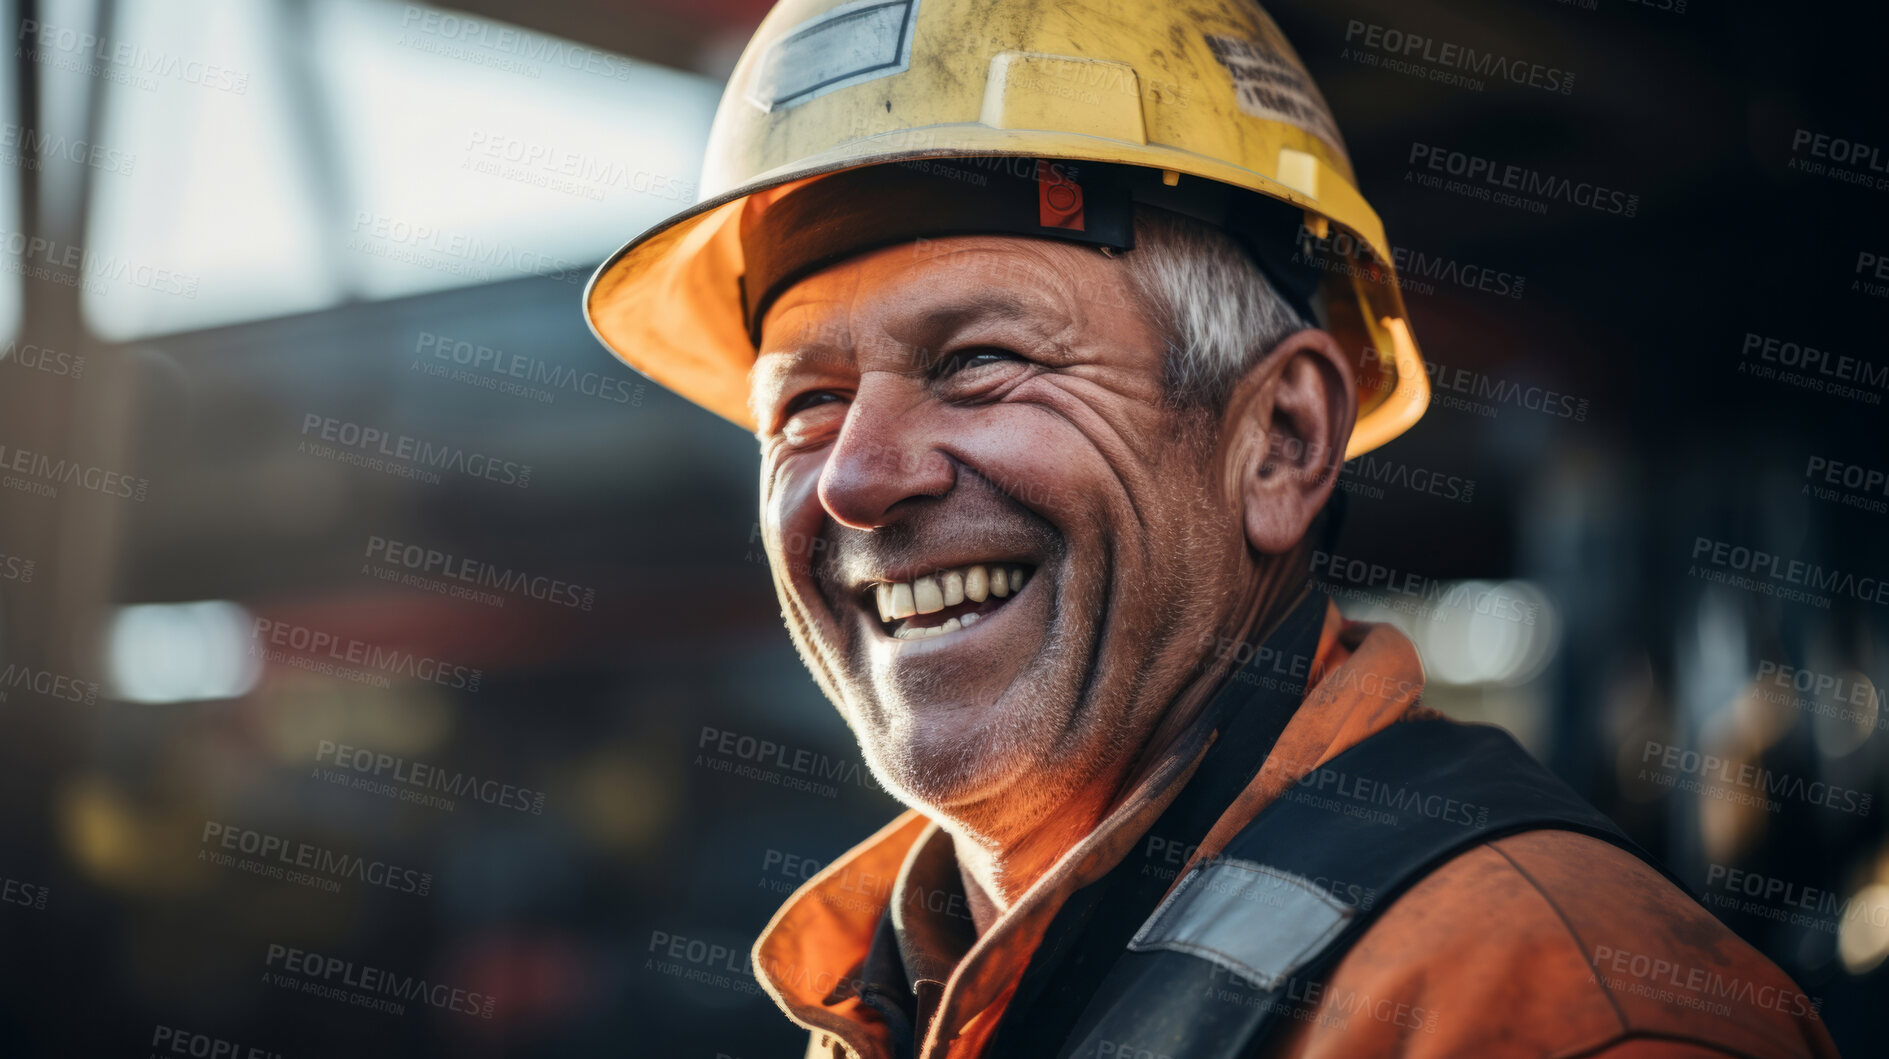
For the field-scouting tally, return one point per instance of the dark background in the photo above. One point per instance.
(612, 713)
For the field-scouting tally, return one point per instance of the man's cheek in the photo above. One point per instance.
(793, 526)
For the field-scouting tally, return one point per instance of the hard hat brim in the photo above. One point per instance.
(668, 302)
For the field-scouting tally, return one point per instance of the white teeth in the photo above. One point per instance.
(926, 632)
(948, 588)
(976, 584)
(926, 596)
(902, 605)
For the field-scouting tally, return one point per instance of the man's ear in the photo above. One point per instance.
(1287, 423)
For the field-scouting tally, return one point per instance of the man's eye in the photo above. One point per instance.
(810, 399)
(972, 358)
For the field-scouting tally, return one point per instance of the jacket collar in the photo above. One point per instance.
(812, 955)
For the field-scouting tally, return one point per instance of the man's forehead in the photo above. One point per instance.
(917, 292)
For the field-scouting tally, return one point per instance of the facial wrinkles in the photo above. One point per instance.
(1095, 394)
(1094, 671)
(1188, 587)
(1110, 436)
(976, 519)
(784, 491)
(998, 524)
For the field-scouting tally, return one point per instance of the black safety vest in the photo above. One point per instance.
(1243, 943)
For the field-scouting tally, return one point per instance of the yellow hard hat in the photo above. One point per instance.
(1193, 91)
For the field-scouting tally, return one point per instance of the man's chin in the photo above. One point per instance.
(947, 761)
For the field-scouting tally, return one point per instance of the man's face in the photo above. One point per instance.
(989, 408)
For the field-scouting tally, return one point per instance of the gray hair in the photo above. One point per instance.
(1219, 312)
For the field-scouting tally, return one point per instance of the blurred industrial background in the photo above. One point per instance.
(290, 300)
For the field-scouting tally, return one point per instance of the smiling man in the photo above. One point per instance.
(1052, 391)
(1025, 534)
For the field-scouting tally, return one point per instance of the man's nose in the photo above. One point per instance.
(886, 454)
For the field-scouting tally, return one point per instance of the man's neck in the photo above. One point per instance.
(998, 868)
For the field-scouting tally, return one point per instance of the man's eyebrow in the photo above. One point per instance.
(945, 319)
(810, 356)
(771, 366)
(924, 331)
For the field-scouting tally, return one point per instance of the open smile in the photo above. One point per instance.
(946, 600)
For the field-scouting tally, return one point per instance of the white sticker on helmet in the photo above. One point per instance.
(856, 42)
(1268, 82)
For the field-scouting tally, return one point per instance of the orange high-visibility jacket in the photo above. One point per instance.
(1545, 943)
